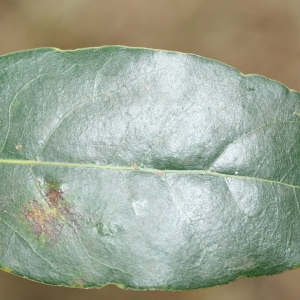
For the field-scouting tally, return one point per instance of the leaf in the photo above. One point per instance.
(147, 169)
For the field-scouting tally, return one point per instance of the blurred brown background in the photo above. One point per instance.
(255, 36)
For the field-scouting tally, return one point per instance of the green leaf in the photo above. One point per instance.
(148, 169)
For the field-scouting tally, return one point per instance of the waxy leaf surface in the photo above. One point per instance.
(144, 168)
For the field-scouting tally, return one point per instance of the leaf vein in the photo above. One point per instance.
(144, 170)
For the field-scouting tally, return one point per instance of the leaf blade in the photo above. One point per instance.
(148, 169)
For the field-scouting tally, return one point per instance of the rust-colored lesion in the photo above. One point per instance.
(44, 224)
(48, 218)
(53, 197)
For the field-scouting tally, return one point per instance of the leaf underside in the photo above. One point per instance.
(145, 168)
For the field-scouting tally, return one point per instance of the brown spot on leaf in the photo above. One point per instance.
(47, 220)
(54, 197)
(44, 224)
(19, 147)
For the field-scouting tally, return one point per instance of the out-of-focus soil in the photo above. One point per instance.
(255, 36)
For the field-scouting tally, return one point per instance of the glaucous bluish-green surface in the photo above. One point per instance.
(148, 169)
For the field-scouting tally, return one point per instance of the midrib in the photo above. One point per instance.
(143, 170)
